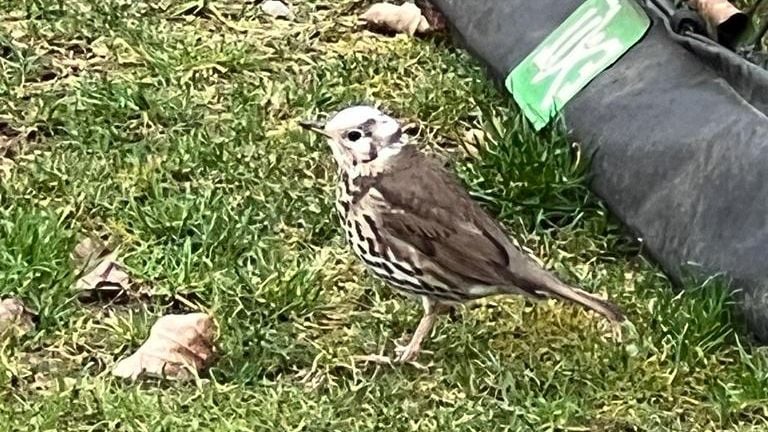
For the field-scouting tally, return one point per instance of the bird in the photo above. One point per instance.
(414, 225)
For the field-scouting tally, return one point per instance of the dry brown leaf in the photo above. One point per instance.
(178, 347)
(105, 277)
(406, 18)
(106, 280)
(15, 318)
(88, 252)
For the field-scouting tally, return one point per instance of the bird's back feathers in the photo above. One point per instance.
(426, 208)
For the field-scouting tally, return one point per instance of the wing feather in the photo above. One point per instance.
(427, 208)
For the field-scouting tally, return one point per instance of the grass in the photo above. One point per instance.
(176, 131)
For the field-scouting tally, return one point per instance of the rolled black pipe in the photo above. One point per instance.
(676, 135)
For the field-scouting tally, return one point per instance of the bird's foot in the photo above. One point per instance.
(373, 358)
(407, 353)
(403, 355)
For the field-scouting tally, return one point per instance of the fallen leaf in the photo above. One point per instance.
(406, 18)
(178, 347)
(276, 9)
(15, 318)
(88, 252)
(107, 279)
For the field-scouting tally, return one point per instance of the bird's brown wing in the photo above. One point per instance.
(427, 208)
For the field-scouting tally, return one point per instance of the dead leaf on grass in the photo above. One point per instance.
(105, 277)
(406, 18)
(89, 251)
(108, 280)
(178, 347)
(15, 318)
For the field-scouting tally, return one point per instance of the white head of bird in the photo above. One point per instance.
(359, 136)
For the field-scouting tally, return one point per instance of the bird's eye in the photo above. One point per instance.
(354, 135)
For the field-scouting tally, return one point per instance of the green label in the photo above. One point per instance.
(585, 44)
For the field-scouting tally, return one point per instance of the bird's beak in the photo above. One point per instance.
(314, 126)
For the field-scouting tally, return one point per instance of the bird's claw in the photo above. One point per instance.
(404, 355)
(372, 358)
(408, 354)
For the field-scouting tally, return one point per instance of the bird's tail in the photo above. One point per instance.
(590, 301)
(548, 285)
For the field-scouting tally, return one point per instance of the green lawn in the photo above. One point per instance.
(173, 127)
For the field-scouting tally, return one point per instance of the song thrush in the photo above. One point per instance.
(413, 225)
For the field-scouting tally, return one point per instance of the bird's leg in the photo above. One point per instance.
(411, 351)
